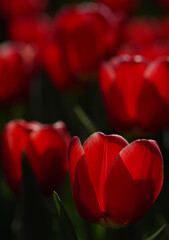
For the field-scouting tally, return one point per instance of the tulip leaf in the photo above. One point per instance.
(65, 226)
(157, 234)
(36, 221)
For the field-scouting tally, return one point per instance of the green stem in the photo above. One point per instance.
(85, 120)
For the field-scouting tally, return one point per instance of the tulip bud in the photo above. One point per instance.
(46, 149)
(113, 182)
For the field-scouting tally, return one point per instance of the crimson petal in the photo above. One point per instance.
(134, 181)
(100, 151)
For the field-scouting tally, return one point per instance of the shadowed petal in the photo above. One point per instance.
(82, 189)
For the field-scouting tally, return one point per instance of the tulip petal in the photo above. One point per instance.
(100, 151)
(134, 181)
(75, 152)
(130, 84)
(111, 96)
(47, 153)
(121, 89)
(158, 74)
(82, 189)
(13, 143)
(153, 110)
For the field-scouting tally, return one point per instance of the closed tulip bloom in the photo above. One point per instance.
(135, 93)
(46, 149)
(33, 29)
(55, 63)
(88, 33)
(146, 37)
(16, 70)
(113, 182)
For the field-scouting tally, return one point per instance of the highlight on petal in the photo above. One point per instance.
(100, 151)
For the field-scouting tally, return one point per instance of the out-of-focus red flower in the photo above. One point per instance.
(135, 92)
(146, 37)
(125, 6)
(154, 50)
(157, 49)
(87, 33)
(163, 28)
(14, 8)
(141, 31)
(46, 148)
(57, 66)
(16, 69)
(35, 29)
(113, 182)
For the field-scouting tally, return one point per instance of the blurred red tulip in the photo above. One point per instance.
(163, 28)
(113, 182)
(157, 49)
(14, 8)
(141, 31)
(125, 6)
(135, 92)
(87, 33)
(154, 50)
(46, 148)
(16, 69)
(57, 66)
(146, 37)
(35, 29)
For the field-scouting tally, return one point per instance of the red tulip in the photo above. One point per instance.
(16, 69)
(87, 33)
(141, 31)
(15, 8)
(114, 182)
(34, 29)
(163, 28)
(135, 93)
(146, 37)
(125, 6)
(55, 62)
(46, 148)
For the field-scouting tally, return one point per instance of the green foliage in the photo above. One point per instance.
(66, 229)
